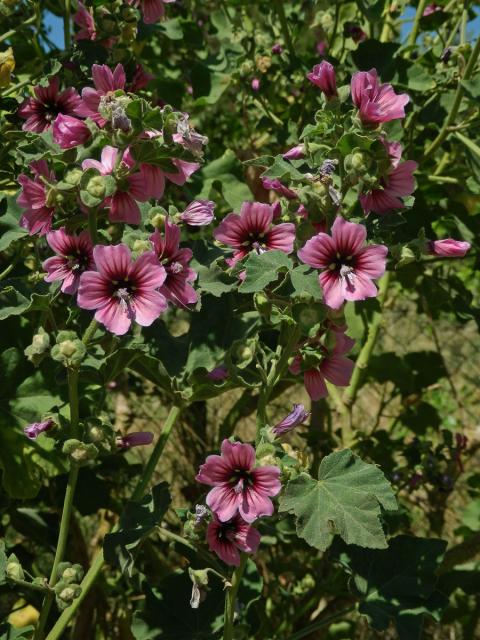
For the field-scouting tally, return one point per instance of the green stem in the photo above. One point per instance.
(230, 597)
(12, 32)
(89, 332)
(94, 571)
(320, 623)
(30, 585)
(412, 38)
(92, 225)
(464, 21)
(367, 349)
(283, 21)
(444, 131)
(66, 25)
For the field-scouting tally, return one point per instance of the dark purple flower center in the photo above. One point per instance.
(344, 267)
(124, 291)
(227, 531)
(241, 480)
(256, 241)
(78, 261)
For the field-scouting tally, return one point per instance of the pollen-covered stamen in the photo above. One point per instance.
(258, 247)
(238, 488)
(347, 273)
(175, 267)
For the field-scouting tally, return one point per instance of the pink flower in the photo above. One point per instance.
(321, 47)
(140, 79)
(184, 171)
(70, 132)
(40, 111)
(376, 102)
(199, 213)
(297, 416)
(106, 82)
(152, 10)
(177, 286)
(323, 76)
(253, 230)
(239, 486)
(295, 153)
(227, 539)
(325, 364)
(355, 32)
(397, 183)
(123, 291)
(39, 214)
(74, 256)
(218, 374)
(277, 48)
(281, 189)
(35, 429)
(348, 266)
(255, 84)
(431, 8)
(134, 186)
(84, 19)
(135, 439)
(449, 248)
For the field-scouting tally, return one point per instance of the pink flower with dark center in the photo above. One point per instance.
(152, 10)
(70, 132)
(106, 83)
(34, 430)
(74, 256)
(324, 364)
(239, 486)
(123, 291)
(253, 230)
(179, 275)
(227, 539)
(40, 111)
(355, 32)
(448, 248)
(281, 189)
(376, 102)
(140, 79)
(323, 76)
(130, 186)
(297, 416)
(84, 19)
(135, 439)
(295, 153)
(348, 266)
(34, 198)
(198, 213)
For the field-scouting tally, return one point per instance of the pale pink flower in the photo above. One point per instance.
(376, 103)
(253, 230)
(334, 366)
(40, 111)
(448, 248)
(38, 214)
(198, 213)
(238, 485)
(84, 19)
(35, 429)
(323, 76)
(227, 539)
(348, 265)
(177, 286)
(281, 189)
(74, 256)
(70, 132)
(123, 291)
(297, 416)
(152, 10)
(255, 84)
(295, 153)
(106, 83)
(135, 439)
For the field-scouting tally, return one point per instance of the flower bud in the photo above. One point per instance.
(72, 573)
(73, 177)
(323, 76)
(448, 248)
(199, 578)
(14, 570)
(157, 216)
(39, 347)
(140, 246)
(69, 349)
(66, 594)
(96, 187)
(79, 452)
(35, 429)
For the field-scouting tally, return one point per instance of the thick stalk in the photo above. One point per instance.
(231, 596)
(89, 332)
(412, 38)
(92, 225)
(94, 571)
(24, 584)
(66, 24)
(12, 32)
(444, 131)
(367, 349)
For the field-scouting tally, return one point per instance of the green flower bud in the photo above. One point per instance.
(326, 21)
(73, 177)
(265, 451)
(263, 304)
(96, 187)
(80, 453)
(66, 594)
(129, 14)
(37, 351)
(14, 570)
(263, 63)
(73, 573)
(246, 68)
(243, 353)
(140, 246)
(51, 197)
(69, 349)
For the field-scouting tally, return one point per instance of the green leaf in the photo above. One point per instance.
(172, 29)
(350, 141)
(263, 269)
(345, 500)
(3, 562)
(305, 282)
(282, 169)
(472, 88)
(10, 229)
(371, 9)
(136, 522)
(372, 53)
(7, 632)
(398, 583)
(17, 298)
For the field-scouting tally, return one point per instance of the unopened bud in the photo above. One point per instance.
(14, 569)
(96, 187)
(79, 452)
(140, 246)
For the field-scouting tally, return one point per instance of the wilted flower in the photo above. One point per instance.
(152, 10)
(70, 132)
(348, 266)
(198, 213)
(40, 111)
(295, 153)
(201, 512)
(355, 32)
(123, 291)
(135, 439)
(227, 539)
(297, 416)
(253, 230)
(277, 48)
(38, 214)
(218, 374)
(74, 256)
(376, 102)
(281, 189)
(35, 429)
(84, 19)
(448, 248)
(323, 76)
(239, 486)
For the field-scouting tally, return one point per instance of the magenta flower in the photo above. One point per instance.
(321, 47)
(295, 153)
(253, 230)
(297, 416)
(198, 213)
(431, 8)
(131, 186)
(123, 291)
(184, 171)
(348, 266)
(84, 19)
(281, 189)
(106, 82)
(239, 486)
(218, 374)
(331, 365)
(355, 32)
(227, 539)
(74, 256)
(376, 102)
(323, 76)
(70, 132)
(35, 429)
(135, 439)
(140, 79)
(396, 184)
(40, 111)
(177, 286)
(34, 198)
(255, 84)
(448, 248)
(152, 10)
(277, 48)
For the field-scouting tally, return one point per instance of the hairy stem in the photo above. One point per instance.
(66, 24)
(231, 596)
(412, 38)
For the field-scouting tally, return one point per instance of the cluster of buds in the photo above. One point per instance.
(67, 587)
